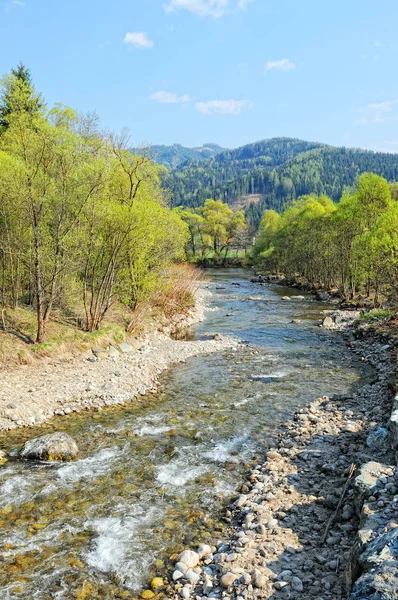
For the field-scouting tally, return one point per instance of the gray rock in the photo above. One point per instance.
(383, 549)
(100, 353)
(191, 576)
(368, 479)
(180, 566)
(54, 446)
(381, 584)
(379, 439)
(328, 323)
(185, 593)
(279, 585)
(125, 348)
(296, 584)
(114, 352)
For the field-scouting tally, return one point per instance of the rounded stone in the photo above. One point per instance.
(203, 550)
(260, 582)
(54, 446)
(157, 583)
(189, 558)
(228, 579)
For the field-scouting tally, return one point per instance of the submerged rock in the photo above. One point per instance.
(157, 583)
(54, 446)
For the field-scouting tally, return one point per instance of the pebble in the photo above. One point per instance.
(228, 579)
(189, 558)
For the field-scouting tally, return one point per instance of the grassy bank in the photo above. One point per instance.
(173, 295)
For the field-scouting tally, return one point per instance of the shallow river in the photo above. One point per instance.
(154, 476)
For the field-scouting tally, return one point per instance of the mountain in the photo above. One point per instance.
(270, 173)
(174, 156)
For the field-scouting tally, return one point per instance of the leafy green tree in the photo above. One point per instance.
(221, 225)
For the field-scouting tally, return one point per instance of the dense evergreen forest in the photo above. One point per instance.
(176, 155)
(278, 170)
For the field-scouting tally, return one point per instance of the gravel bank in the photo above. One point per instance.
(299, 528)
(32, 394)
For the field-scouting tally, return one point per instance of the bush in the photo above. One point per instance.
(376, 314)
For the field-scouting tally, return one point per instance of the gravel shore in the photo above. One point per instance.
(298, 526)
(32, 394)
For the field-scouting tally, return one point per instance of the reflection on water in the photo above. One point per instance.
(154, 476)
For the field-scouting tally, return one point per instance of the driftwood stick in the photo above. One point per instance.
(343, 493)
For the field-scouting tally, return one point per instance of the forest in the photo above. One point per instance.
(83, 222)
(351, 246)
(278, 170)
(176, 155)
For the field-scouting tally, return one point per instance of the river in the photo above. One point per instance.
(155, 475)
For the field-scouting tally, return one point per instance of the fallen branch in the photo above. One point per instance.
(343, 493)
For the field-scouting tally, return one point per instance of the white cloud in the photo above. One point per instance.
(206, 8)
(222, 107)
(138, 39)
(280, 65)
(169, 98)
(378, 113)
(378, 44)
(243, 4)
(202, 8)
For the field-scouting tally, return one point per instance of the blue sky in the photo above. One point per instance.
(224, 71)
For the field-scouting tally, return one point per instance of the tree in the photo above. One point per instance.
(53, 180)
(18, 95)
(221, 224)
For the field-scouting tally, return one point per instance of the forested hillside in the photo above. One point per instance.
(176, 155)
(277, 170)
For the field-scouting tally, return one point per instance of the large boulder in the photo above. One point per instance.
(54, 446)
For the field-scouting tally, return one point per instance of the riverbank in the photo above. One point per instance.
(307, 516)
(104, 376)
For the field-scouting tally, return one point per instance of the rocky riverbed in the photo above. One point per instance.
(157, 476)
(105, 376)
(316, 514)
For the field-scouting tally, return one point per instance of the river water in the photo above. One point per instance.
(154, 476)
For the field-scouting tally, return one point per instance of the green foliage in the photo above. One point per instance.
(78, 212)
(352, 245)
(376, 314)
(17, 95)
(278, 170)
(213, 228)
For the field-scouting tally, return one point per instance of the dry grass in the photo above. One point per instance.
(174, 294)
(17, 342)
